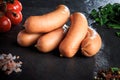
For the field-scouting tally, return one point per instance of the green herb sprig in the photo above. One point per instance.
(108, 15)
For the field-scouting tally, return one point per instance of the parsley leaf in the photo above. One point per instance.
(108, 15)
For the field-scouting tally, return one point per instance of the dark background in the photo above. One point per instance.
(39, 66)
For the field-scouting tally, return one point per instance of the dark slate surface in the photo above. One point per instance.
(39, 66)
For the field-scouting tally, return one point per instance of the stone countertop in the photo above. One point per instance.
(39, 66)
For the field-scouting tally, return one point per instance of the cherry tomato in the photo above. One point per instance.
(10, 6)
(18, 5)
(1, 1)
(5, 24)
(14, 6)
(15, 16)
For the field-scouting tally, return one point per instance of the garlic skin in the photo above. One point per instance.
(91, 44)
(8, 63)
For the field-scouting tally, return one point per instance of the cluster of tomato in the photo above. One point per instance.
(10, 14)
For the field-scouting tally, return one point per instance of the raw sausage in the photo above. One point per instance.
(27, 39)
(76, 33)
(91, 44)
(48, 22)
(51, 40)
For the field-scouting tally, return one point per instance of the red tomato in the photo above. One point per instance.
(5, 24)
(10, 6)
(14, 6)
(18, 5)
(1, 1)
(15, 16)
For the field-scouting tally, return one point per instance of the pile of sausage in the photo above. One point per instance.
(49, 31)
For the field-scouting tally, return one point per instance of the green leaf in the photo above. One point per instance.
(94, 13)
(118, 34)
(114, 69)
(97, 19)
(109, 15)
(114, 26)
